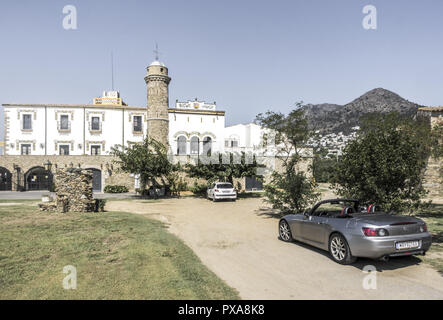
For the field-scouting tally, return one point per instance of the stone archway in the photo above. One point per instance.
(5, 179)
(37, 178)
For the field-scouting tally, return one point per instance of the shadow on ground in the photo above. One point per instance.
(268, 213)
(392, 264)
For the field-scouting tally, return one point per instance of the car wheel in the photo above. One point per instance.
(213, 199)
(284, 231)
(339, 250)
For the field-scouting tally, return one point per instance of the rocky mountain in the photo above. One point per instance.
(333, 118)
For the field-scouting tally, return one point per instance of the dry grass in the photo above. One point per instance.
(117, 256)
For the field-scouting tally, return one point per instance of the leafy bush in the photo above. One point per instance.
(199, 189)
(323, 169)
(176, 184)
(100, 205)
(385, 163)
(290, 192)
(142, 192)
(116, 189)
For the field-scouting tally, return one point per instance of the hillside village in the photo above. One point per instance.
(333, 143)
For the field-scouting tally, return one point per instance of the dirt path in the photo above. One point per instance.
(239, 242)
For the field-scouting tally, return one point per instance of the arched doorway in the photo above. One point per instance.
(38, 178)
(96, 179)
(5, 179)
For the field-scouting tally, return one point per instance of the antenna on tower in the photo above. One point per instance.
(112, 70)
(156, 52)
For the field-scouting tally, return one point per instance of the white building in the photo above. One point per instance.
(196, 127)
(38, 135)
(244, 137)
(92, 129)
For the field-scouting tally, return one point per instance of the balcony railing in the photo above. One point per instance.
(112, 101)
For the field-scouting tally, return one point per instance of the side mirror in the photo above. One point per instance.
(306, 213)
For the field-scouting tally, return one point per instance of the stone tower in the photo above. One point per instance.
(157, 82)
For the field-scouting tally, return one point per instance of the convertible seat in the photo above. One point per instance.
(373, 208)
(347, 210)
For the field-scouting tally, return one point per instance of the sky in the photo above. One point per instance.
(248, 56)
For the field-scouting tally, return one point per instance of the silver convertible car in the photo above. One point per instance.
(348, 231)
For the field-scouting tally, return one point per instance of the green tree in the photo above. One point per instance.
(148, 159)
(322, 166)
(288, 190)
(385, 163)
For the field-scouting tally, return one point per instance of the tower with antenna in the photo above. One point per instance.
(157, 83)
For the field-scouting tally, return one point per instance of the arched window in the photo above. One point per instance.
(207, 146)
(181, 145)
(195, 141)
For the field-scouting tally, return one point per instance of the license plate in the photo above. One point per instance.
(408, 245)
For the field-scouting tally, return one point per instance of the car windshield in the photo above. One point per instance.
(335, 208)
(224, 186)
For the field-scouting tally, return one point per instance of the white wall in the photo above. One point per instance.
(16, 136)
(249, 136)
(116, 129)
(195, 124)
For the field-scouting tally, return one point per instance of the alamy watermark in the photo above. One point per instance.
(70, 281)
(70, 20)
(370, 280)
(370, 20)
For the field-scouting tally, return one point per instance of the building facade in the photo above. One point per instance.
(83, 135)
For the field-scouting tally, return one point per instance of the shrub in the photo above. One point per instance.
(323, 169)
(142, 192)
(385, 163)
(199, 189)
(116, 189)
(100, 205)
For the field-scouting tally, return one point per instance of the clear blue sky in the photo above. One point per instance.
(249, 56)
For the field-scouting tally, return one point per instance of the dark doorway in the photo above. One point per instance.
(38, 179)
(96, 180)
(253, 184)
(5, 179)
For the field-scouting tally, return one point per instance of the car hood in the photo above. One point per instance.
(382, 219)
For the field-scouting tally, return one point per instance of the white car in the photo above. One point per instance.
(222, 190)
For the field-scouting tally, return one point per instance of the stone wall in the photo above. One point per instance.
(110, 174)
(74, 190)
(433, 177)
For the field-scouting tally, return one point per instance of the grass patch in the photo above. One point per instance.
(434, 219)
(117, 256)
